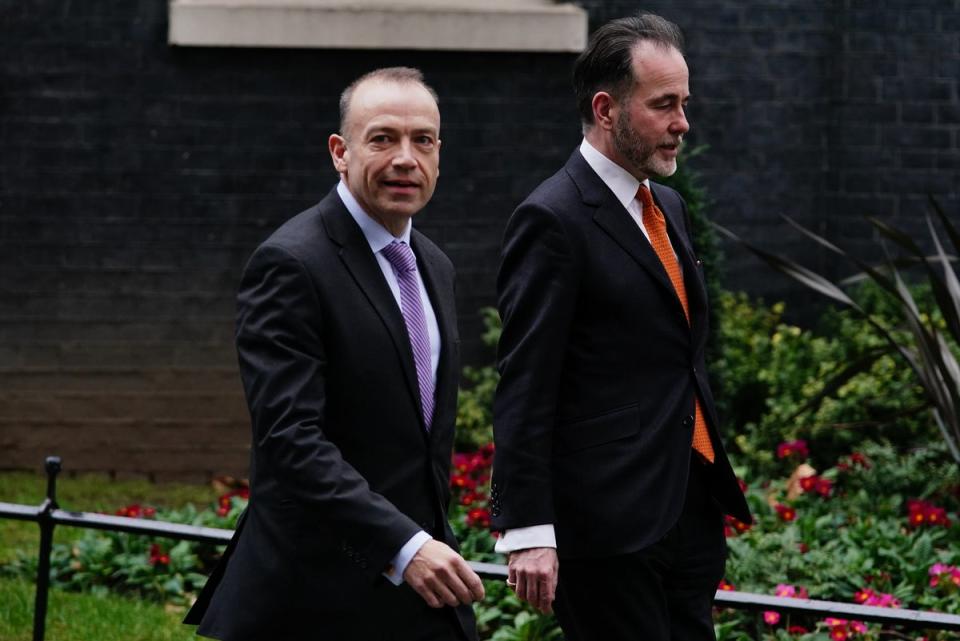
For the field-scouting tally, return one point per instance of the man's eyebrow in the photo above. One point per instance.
(669, 96)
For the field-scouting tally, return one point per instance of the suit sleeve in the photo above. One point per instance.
(537, 288)
(284, 368)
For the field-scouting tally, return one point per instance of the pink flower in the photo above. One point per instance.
(785, 590)
(858, 626)
(946, 575)
(797, 449)
(771, 618)
(866, 596)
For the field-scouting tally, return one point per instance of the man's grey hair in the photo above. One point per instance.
(390, 74)
(605, 65)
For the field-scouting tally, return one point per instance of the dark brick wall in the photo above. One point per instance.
(135, 178)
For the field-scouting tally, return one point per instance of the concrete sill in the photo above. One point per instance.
(456, 25)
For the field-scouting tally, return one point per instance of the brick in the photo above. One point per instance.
(915, 136)
(918, 89)
(948, 114)
(917, 113)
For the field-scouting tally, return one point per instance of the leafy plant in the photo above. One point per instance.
(773, 383)
(475, 399)
(927, 352)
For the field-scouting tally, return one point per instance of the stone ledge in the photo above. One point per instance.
(456, 25)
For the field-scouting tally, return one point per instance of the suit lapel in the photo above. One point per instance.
(613, 219)
(363, 267)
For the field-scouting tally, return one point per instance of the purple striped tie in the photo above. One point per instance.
(405, 267)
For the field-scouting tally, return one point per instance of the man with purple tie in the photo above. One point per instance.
(349, 354)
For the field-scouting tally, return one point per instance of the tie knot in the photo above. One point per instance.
(400, 256)
(644, 196)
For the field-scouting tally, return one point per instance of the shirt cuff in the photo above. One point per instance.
(522, 538)
(399, 563)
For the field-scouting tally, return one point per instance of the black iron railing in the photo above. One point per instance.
(48, 515)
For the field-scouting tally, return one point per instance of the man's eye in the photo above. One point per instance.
(424, 140)
(381, 138)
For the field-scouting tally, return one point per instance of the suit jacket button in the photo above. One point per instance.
(687, 421)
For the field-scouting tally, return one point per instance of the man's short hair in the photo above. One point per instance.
(605, 65)
(390, 74)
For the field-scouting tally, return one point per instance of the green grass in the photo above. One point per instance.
(83, 616)
(87, 493)
(87, 617)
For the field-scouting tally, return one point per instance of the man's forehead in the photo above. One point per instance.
(382, 101)
(659, 68)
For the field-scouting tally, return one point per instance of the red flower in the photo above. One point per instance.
(785, 512)
(739, 526)
(478, 517)
(149, 512)
(223, 510)
(726, 586)
(924, 513)
(157, 556)
(824, 487)
(132, 511)
(859, 459)
(803, 547)
(742, 484)
(818, 484)
(463, 482)
(797, 629)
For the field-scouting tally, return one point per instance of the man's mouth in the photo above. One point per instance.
(671, 148)
(401, 184)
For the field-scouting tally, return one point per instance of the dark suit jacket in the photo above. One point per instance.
(593, 417)
(342, 471)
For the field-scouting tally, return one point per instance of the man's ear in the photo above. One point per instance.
(338, 152)
(604, 110)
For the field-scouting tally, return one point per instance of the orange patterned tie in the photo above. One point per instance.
(656, 227)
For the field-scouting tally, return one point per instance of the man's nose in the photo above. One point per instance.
(404, 156)
(680, 124)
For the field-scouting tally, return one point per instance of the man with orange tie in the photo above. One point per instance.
(610, 480)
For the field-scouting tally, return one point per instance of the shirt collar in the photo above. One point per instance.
(376, 234)
(620, 181)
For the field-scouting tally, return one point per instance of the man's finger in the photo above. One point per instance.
(472, 581)
(444, 594)
(458, 587)
(531, 592)
(426, 594)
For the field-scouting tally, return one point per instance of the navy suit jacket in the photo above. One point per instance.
(342, 471)
(593, 417)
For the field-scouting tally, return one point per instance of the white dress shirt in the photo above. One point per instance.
(378, 237)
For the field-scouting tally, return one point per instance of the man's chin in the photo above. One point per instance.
(663, 169)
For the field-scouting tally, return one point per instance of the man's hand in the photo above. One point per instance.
(442, 577)
(533, 575)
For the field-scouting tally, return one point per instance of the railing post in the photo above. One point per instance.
(46, 546)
